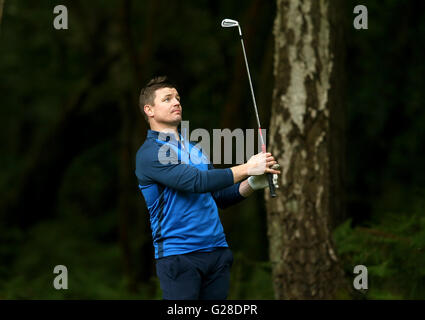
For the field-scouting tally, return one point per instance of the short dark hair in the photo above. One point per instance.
(147, 94)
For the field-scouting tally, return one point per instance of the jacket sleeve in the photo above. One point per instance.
(178, 175)
(228, 196)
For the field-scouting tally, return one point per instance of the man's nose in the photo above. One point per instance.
(176, 101)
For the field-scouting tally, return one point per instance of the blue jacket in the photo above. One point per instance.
(182, 191)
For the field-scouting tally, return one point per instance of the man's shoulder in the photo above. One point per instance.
(148, 150)
(145, 157)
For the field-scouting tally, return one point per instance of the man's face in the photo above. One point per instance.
(166, 109)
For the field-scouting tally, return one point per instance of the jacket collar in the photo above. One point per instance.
(164, 136)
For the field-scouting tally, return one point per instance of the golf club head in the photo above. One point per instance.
(227, 23)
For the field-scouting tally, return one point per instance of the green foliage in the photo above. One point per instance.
(250, 279)
(393, 251)
(43, 71)
(94, 270)
(94, 267)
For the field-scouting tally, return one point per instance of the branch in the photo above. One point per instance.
(383, 234)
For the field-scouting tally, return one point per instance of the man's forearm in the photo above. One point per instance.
(245, 189)
(239, 172)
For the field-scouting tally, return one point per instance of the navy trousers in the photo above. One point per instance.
(195, 275)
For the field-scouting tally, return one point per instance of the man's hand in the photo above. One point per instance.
(257, 165)
(261, 181)
(261, 163)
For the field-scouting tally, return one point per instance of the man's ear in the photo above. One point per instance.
(148, 110)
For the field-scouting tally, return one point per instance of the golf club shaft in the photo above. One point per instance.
(263, 145)
(252, 89)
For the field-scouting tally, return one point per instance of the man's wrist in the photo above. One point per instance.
(246, 167)
(245, 189)
(240, 172)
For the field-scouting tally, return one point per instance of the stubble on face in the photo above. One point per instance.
(168, 107)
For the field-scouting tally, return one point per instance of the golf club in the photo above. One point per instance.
(228, 23)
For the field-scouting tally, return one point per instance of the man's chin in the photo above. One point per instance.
(176, 122)
(173, 122)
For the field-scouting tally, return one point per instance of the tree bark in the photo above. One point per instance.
(138, 266)
(1, 11)
(306, 113)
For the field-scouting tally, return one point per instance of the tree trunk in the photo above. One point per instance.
(138, 266)
(1, 11)
(306, 114)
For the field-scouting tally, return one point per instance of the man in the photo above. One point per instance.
(192, 256)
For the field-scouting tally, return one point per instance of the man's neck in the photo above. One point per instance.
(168, 129)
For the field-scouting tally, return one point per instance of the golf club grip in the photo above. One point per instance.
(271, 185)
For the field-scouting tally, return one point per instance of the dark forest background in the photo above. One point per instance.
(71, 127)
